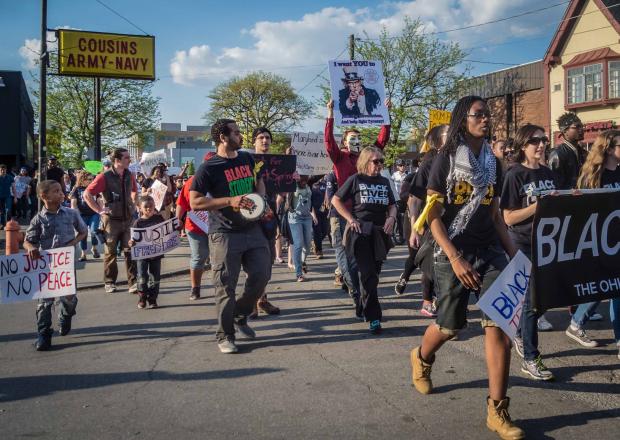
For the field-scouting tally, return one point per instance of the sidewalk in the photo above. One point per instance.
(89, 274)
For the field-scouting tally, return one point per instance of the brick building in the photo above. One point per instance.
(515, 96)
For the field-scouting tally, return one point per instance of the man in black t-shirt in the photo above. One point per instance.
(234, 242)
(54, 172)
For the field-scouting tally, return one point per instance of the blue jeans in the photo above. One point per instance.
(584, 311)
(346, 263)
(6, 206)
(68, 304)
(528, 326)
(199, 245)
(302, 239)
(92, 221)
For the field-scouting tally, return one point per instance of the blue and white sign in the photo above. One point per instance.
(503, 301)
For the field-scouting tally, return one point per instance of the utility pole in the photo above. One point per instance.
(97, 131)
(41, 151)
(351, 46)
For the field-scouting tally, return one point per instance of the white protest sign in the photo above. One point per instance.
(135, 168)
(312, 158)
(358, 91)
(200, 219)
(503, 301)
(158, 192)
(24, 279)
(155, 240)
(149, 160)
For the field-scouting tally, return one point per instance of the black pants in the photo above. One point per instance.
(149, 268)
(368, 271)
(428, 286)
(319, 231)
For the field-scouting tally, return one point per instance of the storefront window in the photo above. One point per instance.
(614, 79)
(585, 83)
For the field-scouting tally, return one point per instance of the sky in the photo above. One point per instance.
(199, 44)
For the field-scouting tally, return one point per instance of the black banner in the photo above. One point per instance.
(277, 171)
(576, 249)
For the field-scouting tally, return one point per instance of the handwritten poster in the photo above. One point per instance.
(24, 279)
(358, 91)
(158, 192)
(312, 158)
(503, 301)
(155, 240)
(277, 171)
(200, 219)
(149, 160)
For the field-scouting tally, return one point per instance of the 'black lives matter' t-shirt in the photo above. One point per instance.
(222, 177)
(521, 185)
(610, 179)
(371, 197)
(480, 230)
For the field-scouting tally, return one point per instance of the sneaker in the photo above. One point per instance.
(246, 331)
(338, 280)
(544, 325)
(110, 288)
(518, 345)
(268, 308)
(279, 260)
(400, 286)
(227, 346)
(82, 256)
(43, 343)
(65, 325)
(580, 336)
(301, 279)
(195, 294)
(95, 252)
(596, 317)
(141, 300)
(375, 327)
(428, 310)
(152, 303)
(133, 288)
(536, 369)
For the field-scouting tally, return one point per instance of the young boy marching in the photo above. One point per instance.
(54, 227)
(149, 267)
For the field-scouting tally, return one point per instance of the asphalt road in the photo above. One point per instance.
(314, 372)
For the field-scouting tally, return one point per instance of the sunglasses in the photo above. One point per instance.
(536, 140)
(378, 161)
(480, 115)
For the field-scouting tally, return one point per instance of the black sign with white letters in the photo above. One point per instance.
(576, 249)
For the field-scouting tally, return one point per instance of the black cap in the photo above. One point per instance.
(51, 157)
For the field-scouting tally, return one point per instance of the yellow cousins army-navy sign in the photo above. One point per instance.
(83, 53)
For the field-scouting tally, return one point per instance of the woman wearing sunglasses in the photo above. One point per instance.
(462, 210)
(522, 186)
(369, 225)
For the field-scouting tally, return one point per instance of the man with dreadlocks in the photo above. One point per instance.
(462, 210)
(566, 159)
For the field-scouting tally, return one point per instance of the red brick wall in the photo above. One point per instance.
(526, 107)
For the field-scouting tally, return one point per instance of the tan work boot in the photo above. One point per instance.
(498, 420)
(421, 373)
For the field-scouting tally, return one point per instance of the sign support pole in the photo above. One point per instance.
(43, 96)
(97, 155)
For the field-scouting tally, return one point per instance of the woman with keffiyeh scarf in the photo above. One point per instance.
(470, 252)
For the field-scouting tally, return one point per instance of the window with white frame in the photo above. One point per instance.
(614, 79)
(585, 83)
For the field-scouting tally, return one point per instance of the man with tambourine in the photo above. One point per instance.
(236, 197)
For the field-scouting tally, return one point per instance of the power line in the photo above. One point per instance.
(123, 17)
(321, 72)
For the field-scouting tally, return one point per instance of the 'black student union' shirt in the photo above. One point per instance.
(371, 195)
(480, 230)
(522, 186)
(222, 177)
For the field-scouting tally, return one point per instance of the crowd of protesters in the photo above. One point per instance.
(462, 212)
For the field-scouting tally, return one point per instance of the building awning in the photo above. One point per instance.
(592, 56)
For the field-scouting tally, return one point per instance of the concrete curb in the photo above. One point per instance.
(123, 283)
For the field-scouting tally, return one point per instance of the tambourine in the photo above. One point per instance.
(258, 211)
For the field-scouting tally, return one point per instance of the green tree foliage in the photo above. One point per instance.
(420, 73)
(127, 107)
(258, 99)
